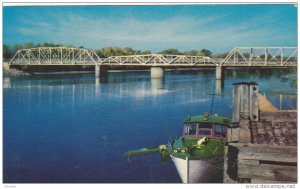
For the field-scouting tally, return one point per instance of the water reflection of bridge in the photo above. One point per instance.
(238, 57)
(87, 90)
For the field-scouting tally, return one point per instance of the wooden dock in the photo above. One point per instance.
(262, 144)
(265, 105)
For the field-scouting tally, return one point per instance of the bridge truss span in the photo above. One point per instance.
(160, 59)
(55, 56)
(261, 56)
(238, 56)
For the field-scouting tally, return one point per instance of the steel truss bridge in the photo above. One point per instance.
(238, 56)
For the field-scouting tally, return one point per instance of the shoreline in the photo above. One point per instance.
(19, 72)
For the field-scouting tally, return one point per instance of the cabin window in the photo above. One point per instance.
(205, 132)
(190, 129)
(205, 129)
(205, 126)
(219, 131)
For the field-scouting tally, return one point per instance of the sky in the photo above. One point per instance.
(218, 28)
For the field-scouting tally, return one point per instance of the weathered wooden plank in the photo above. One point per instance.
(248, 162)
(274, 133)
(233, 135)
(264, 181)
(291, 133)
(254, 132)
(245, 133)
(269, 172)
(253, 104)
(280, 132)
(245, 99)
(258, 148)
(231, 169)
(226, 177)
(270, 137)
(273, 157)
(236, 101)
(279, 116)
(260, 137)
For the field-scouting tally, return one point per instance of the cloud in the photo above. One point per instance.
(182, 32)
(28, 31)
(124, 31)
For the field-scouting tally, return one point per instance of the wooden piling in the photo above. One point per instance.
(245, 100)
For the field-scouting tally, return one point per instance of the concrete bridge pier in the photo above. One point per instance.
(157, 72)
(219, 72)
(101, 70)
(157, 84)
(219, 86)
(6, 66)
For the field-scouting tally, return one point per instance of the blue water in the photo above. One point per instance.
(75, 129)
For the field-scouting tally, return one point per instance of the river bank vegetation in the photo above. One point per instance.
(10, 50)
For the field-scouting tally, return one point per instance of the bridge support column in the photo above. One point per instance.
(100, 71)
(157, 72)
(219, 72)
(6, 66)
(219, 86)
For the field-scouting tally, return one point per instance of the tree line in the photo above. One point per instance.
(9, 51)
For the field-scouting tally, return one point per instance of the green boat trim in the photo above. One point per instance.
(143, 151)
(206, 118)
(188, 147)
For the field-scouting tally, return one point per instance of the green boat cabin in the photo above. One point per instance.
(209, 126)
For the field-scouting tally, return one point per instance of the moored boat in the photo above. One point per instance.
(198, 154)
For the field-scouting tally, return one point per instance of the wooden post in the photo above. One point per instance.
(244, 128)
(236, 101)
(254, 108)
(245, 101)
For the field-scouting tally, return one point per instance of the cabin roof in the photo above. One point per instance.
(218, 119)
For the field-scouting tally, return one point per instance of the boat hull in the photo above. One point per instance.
(199, 171)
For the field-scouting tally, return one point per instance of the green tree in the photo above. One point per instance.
(107, 51)
(28, 45)
(170, 51)
(191, 53)
(17, 47)
(146, 52)
(206, 52)
(6, 52)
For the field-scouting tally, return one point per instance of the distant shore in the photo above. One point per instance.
(14, 72)
(20, 72)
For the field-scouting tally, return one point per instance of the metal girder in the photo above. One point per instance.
(238, 56)
(55, 56)
(159, 59)
(79, 56)
(261, 56)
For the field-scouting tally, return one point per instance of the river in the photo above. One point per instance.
(74, 128)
